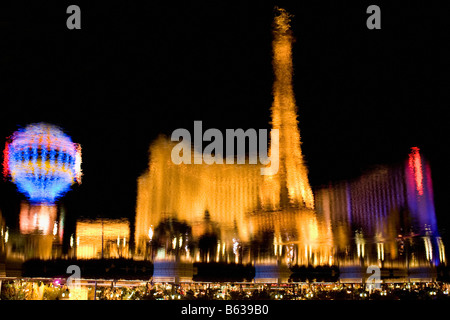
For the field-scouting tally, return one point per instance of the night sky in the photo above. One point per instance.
(135, 71)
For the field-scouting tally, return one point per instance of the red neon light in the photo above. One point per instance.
(5, 160)
(415, 164)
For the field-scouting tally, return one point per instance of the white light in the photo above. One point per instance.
(150, 232)
(174, 243)
(235, 246)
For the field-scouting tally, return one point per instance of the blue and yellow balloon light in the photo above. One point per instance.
(42, 161)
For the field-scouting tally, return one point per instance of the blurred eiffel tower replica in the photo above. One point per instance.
(286, 210)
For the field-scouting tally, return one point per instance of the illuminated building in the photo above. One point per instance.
(226, 212)
(232, 213)
(386, 217)
(101, 238)
(292, 178)
(40, 219)
(40, 233)
(43, 163)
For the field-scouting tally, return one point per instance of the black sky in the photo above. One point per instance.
(136, 70)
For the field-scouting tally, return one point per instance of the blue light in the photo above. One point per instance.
(43, 162)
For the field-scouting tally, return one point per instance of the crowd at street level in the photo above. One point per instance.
(26, 289)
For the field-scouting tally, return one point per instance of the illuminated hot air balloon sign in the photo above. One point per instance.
(42, 161)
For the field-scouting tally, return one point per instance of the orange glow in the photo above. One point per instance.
(109, 237)
(293, 174)
(37, 218)
(242, 204)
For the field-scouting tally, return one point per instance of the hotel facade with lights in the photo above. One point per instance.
(386, 217)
